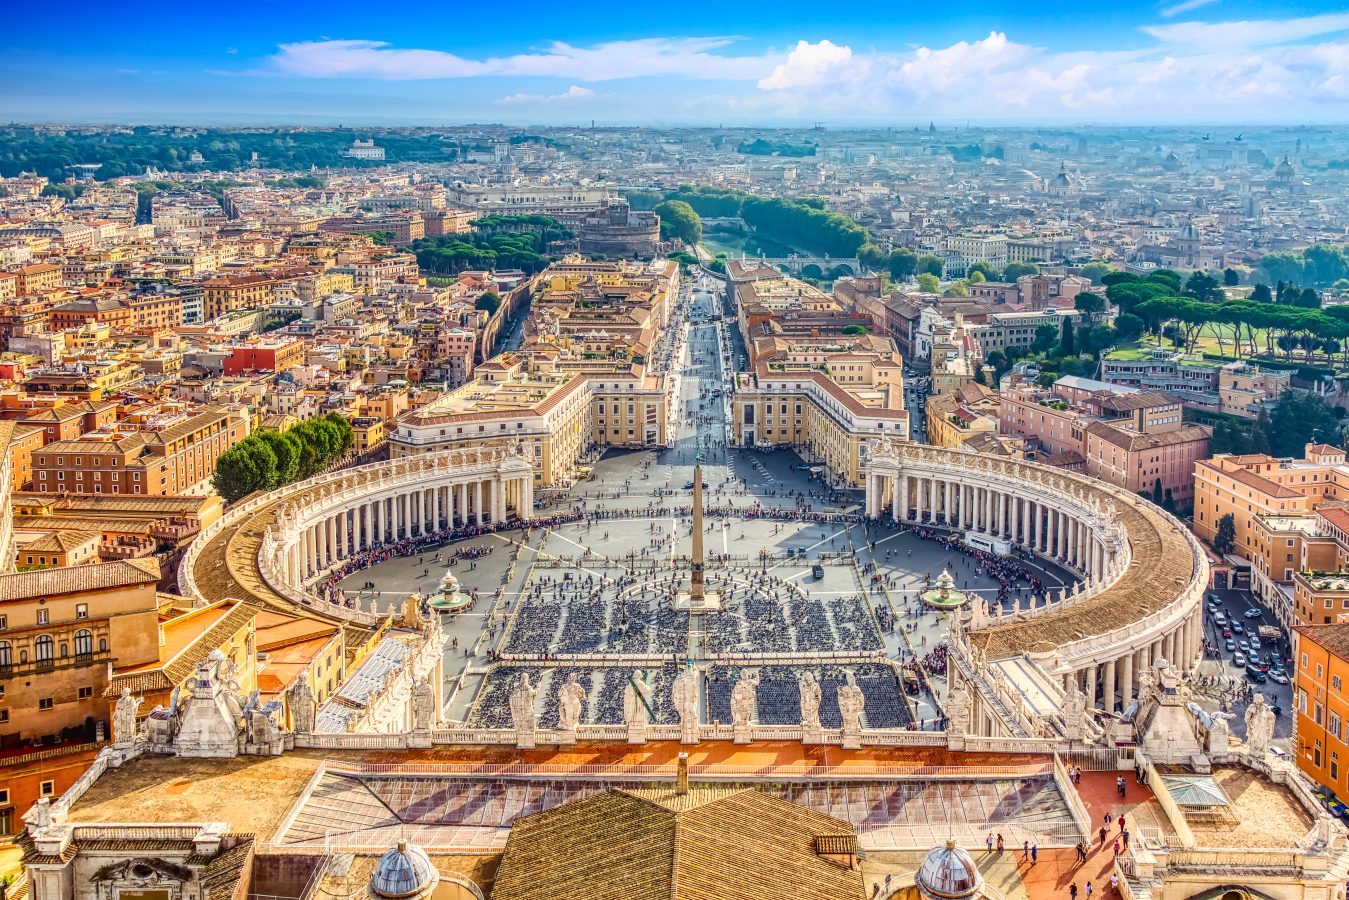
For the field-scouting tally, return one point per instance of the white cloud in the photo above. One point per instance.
(685, 57)
(1185, 6)
(1248, 33)
(1244, 78)
(571, 94)
(1211, 71)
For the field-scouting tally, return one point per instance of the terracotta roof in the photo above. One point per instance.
(174, 671)
(714, 843)
(1134, 441)
(47, 582)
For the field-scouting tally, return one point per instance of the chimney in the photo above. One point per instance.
(682, 781)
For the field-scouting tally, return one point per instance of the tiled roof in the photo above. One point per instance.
(46, 582)
(713, 843)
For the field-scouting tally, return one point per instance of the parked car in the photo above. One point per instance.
(1255, 675)
(1277, 677)
(1238, 627)
(1231, 645)
(1227, 632)
(1220, 618)
(1239, 659)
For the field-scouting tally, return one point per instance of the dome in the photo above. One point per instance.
(949, 873)
(405, 871)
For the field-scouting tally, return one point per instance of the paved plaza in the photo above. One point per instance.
(803, 583)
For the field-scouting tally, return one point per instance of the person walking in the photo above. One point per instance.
(1034, 853)
(1102, 835)
(1072, 891)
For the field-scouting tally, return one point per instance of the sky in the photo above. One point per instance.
(757, 63)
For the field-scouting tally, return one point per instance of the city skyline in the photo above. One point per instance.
(1192, 61)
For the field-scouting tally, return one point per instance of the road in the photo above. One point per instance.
(1219, 663)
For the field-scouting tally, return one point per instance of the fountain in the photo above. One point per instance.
(448, 597)
(945, 595)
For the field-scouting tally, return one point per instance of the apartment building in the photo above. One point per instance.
(557, 414)
(1321, 707)
(1136, 440)
(956, 417)
(1239, 388)
(825, 397)
(159, 454)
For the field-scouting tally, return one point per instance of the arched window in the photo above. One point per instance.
(102, 645)
(84, 643)
(6, 654)
(65, 649)
(43, 647)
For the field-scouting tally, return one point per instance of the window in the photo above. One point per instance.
(44, 703)
(43, 647)
(42, 617)
(1335, 682)
(86, 693)
(81, 612)
(47, 788)
(1333, 724)
(84, 643)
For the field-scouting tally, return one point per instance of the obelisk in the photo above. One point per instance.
(696, 576)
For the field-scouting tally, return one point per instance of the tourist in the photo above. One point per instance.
(1072, 891)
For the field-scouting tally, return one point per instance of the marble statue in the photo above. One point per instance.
(684, 694)
(570, 703)
(302, 704)
(636, 699)
(744, 703)
(522, 705)
(958, 708)
(423, 704)
(850, 705)
(43, 810)
(810, 701)
(124, 717)
(1259, 726)
(1219, 732)
(1074, 709)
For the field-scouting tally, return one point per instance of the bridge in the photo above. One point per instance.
(795, 263)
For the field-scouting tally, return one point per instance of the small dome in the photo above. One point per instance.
(949, 873)
(405, 871)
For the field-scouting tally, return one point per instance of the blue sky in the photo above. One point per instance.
(757, 63)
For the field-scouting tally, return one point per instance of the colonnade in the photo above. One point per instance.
(1114, 682)
(1079, 522)
(1005, 512)
(326, 534)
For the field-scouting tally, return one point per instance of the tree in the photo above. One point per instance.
(1169, 502)
(979, 377)
(286, 448)
(1046, 336)
(902, 263)
(1225, 540)
(931, 264)
(237, 474)
(983, 269)
(1088, 303)
(1262, 294)
(1095, 338)
(1157, 492)
(977, 277)
(1128, 326)
(1047, 378)
(677, 217)
(855, 329)
(1202, 286)
(1016, 269)
(489, 301)
(928, 283)
(1096, 271)
(1067, 346)
(1231, 278)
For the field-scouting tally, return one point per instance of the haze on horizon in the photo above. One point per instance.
(1046, 62)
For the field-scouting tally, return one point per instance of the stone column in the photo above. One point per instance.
(903, 497)
(1126, 680)
(478, 500)
(951, 514)
(343, 533)
(1108, 686)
